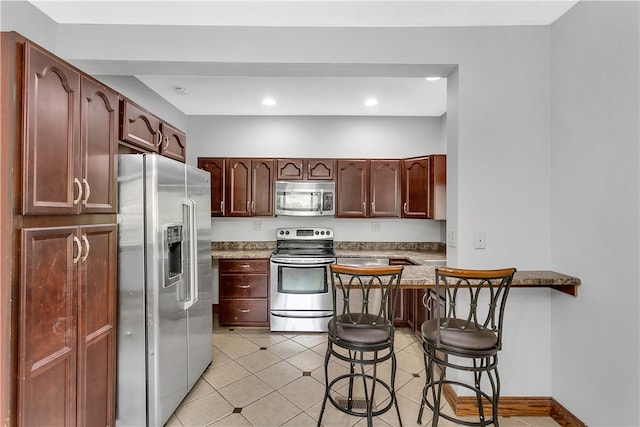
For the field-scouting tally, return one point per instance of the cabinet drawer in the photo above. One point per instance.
(244, 285)
(244, 312)
(243, 265)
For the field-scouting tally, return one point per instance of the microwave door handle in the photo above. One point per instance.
(321, 202)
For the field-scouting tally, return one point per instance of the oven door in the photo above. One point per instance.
(300, 294)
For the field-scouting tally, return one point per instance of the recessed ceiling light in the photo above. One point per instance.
(269, 101)
(371, 102)
(182, 90)
(433, 79)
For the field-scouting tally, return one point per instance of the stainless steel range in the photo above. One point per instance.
(300, 297)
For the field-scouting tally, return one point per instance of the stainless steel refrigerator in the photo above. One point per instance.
(165, 291)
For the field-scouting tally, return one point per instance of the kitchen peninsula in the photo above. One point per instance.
(419, 271)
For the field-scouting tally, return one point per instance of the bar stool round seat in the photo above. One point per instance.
(361, 333)
(466, 336)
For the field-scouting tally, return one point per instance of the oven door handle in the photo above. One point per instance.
(299, 262)
(302, 314)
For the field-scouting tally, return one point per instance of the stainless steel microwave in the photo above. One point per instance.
(305, 198)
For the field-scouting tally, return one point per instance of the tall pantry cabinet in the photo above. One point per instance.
(59, 139)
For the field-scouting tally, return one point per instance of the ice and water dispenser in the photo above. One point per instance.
(173, 254)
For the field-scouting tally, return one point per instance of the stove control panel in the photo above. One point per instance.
(304, 233)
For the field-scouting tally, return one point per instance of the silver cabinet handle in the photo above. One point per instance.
(79, 248)
(253, 206)
(87, 191)
(88, 247)
(159, 139)
(166, 142)
(77, 182)
(244, 310)
(243, 286)
(248, 206)
(222, 206)
(404, 207)
(244, 265)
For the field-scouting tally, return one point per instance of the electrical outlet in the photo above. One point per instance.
(451, 238)
(257, 226)
(375, 226)
(480, 240)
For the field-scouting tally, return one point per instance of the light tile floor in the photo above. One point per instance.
(260, 378)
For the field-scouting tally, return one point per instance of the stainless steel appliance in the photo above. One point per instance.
(300, 279)
(305, 198)
(164, 279)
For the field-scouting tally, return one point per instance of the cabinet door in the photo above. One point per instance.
(262, 187)
(320, 169)
(437, 187)
(139, 127)
(216, 168)
(48, 326)
(289, 169)
(385, 188)
(96, 325)
(52, 135)
(99, 127)
(415, 188)
(238, 187)
(174, 143)
(352, 189)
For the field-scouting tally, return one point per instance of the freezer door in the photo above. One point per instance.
(200, 313)
(132, 343)
(167, 286)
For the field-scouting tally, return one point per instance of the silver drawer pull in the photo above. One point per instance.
(243, 286)
(244, 265)
(244, 310)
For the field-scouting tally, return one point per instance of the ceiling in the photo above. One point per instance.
(322, 89)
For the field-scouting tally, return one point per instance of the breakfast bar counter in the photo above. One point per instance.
(419, 270)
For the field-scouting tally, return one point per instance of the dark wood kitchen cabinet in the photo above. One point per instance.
(67, 326)
(424, 192)
(352, 188)
(70, 141)
(144, 131)
(244, 292)
(368, 188)
(59, 145)
(249, 187)
(385, 186)
(305, 169)
(216, 167)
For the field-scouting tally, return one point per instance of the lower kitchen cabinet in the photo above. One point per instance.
(244, 292)
(67, 326)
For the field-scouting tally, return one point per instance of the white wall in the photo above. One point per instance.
(24, 18)
(595, 193)
(318, 136)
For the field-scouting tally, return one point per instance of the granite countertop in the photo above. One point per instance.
(419, 276)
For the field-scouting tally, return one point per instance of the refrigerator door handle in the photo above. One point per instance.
(192, 243)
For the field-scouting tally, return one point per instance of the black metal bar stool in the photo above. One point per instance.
(361, 333)
(470, 330)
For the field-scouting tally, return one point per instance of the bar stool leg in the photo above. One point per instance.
(326, 378)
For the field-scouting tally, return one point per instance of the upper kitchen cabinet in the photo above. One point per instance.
(368, 188)
(385, 186)
(424, 187)
(144, 131)
(174, 143)
(69, 145)
(216, 167)
(249, 187)
(305, 169)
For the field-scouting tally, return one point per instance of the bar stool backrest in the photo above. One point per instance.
(474, 300)
(361, 295)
